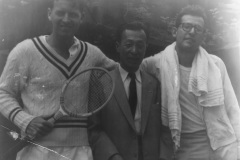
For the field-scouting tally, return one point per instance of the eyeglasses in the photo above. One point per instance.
(188, 27)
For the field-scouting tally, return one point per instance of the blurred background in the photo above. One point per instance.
(21, 19)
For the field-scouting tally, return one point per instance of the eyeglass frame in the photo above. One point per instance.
(196, 28)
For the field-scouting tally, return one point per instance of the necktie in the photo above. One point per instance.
(132, 93)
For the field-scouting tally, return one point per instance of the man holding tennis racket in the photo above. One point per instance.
(32, 81)
(129, 127)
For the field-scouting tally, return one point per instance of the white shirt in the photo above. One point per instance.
(192, 120)
(126, 81)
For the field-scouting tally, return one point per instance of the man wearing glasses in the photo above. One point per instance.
(198, 101)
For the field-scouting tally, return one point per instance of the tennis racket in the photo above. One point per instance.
(21, 142)
(85, 93)
(82, 95)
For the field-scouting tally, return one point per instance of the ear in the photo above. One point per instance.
(174, 32)
(49, 14)
(117, 47)
(82, 15)
(204, 36)
(146, 45)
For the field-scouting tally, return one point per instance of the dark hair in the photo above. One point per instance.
(194, 10)
(135, 25)
(79, 3)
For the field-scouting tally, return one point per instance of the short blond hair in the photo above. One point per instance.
(80, 4)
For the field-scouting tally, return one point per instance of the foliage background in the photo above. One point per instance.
(21, 19)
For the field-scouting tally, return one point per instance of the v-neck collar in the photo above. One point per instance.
(67, 67)
(73, 50)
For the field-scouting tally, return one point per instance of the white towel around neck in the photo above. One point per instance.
(205, 82)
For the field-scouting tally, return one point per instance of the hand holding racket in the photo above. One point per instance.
(85, 93)
(82, 95)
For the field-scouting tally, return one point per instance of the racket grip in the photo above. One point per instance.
(55, 117)
(52, 120)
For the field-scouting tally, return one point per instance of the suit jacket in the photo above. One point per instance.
(113, 131)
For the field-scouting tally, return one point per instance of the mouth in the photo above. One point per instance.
(135, 61)
(190, 40)
(65, 27)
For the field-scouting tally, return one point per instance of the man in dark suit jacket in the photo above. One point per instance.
(129, 127)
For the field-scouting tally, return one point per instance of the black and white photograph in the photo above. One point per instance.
(119, 80)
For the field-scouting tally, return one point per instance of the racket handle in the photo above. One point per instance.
(57, 116)
(52, 120)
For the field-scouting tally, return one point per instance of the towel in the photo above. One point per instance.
(205, 82)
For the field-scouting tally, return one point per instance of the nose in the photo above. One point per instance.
(133, 49)
(66, 18)
(192, 31)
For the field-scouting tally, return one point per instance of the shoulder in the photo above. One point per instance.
(90, 46)
(215, 58)
(218, 61)
(115, 72)
(153, 58)
(150, 64)
(92, 50)
(21, 49)
(25, 44)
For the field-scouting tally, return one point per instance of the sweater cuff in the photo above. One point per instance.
(22, 119)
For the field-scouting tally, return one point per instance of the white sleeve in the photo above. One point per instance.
(101, 60)
(231, 103)
(149, 65)
(12, 82)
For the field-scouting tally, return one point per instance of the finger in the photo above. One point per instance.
(49, 124)
(39, 131)
(45, 128)
(41, 134)
(48, 117)
(31, 135)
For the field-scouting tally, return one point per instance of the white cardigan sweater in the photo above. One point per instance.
(34, 75)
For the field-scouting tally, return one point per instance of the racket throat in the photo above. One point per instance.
(56, 117)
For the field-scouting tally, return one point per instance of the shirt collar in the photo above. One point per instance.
(74, 49)
(124, 74)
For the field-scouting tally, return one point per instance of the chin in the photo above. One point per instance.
(66, 35)
(190, 49)
(134, 68)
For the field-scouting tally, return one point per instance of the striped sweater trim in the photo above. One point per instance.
(13, 113)
(71, 126)
(71, 123)
(67, 71)
(49, 59)
(81, 60)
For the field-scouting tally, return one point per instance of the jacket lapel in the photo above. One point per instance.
(121, 97)
(147, 93)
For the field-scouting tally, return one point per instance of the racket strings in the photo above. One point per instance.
(100, 88)
(75, 95)
(87, 92)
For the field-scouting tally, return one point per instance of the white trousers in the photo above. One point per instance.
(32, 152)
(197, 147)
